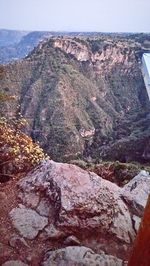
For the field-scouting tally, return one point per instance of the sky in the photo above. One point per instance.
(76, 15)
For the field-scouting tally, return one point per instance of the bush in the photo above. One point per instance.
(18, 153)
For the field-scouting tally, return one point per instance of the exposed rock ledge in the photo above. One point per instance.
(62, 205)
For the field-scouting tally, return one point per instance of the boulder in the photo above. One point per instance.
(81, 204)
(79, 256)
(62, 205)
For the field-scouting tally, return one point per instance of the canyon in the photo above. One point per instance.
(84, 98)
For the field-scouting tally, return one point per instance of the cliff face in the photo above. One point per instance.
(83, 96)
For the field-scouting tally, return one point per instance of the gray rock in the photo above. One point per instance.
(79, 256)
(14, 263)
(136, 192)
(28, 222)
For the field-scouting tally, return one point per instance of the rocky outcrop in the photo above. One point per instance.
(108, 51)
(81, 204)
(61, 205)
(78, 49)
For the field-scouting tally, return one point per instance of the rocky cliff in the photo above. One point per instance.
(84, 97)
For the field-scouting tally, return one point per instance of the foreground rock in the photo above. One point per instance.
(136, 192)
(79, 256)
(63, 205)
(81, 204)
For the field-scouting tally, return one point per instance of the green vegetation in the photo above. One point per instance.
(18, 152)
(66, 89)
(116, 172)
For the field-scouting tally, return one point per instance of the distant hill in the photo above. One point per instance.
(16, 45)
(10, 37)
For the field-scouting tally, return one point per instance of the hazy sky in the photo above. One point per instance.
(76, 15)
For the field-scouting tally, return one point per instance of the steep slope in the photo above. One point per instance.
(82, 96)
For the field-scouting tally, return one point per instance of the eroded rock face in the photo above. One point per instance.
(70, 46)
(81, 204)
(79, 256)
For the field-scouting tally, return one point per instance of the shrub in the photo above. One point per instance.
(18, 152)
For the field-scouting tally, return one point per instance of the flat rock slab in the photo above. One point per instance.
(28, 222)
